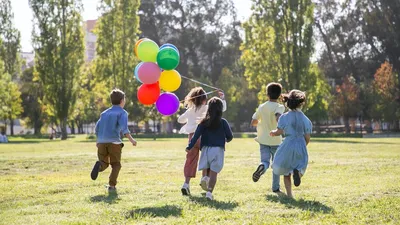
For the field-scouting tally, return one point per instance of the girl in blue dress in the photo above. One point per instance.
(291, 158)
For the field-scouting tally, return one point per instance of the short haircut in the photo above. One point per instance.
(274, 90)
(116, 96)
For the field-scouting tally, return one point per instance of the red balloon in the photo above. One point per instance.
(148, 93)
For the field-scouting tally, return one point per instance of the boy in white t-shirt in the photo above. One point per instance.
(266, 119)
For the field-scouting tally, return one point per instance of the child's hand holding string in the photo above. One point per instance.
(221, 94)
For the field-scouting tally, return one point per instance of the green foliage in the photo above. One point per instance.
(117, 32)
(59, 47)
(9, 54)
(206, 33)
(92, 98)
(32, 97)
(278, 48)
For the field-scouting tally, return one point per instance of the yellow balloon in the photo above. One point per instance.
(170, 80)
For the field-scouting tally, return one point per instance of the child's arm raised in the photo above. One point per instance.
(222, 97)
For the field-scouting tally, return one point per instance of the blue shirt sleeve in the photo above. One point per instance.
(196, 136)
(123, 123)
(228, 131)
(307, 125)
(282, 122)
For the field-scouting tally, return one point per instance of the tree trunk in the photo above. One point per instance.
(72, 127)
(37, 127)
(63, 126)
(80, 128)
(347, 124)
(11, 126)
(318, 127)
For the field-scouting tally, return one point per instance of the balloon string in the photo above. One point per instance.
(199, 95)
(195, 81)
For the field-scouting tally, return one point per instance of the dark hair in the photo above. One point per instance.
(116, 96)
(195, 98)
(274, 90)
(214, 113)
(294, 99)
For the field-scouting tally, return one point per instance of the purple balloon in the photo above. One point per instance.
(167, 104)
(149, 73)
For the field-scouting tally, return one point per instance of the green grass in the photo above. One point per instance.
(348, 181)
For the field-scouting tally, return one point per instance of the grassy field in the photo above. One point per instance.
(348, 181)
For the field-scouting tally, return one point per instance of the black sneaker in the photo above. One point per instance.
(95, 170)
(185, 191)
(277, 191)
(296, 177)
(259, 171)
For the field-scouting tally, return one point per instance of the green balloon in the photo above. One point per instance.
(168, 58)
(147, 51)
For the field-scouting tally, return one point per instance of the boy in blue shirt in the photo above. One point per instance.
(112, 123)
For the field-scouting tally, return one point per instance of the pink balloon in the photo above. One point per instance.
(149, 73)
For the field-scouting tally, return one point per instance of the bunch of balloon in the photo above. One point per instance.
(157, 72)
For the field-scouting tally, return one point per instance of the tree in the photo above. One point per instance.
(92, 99)
(117, 32)
(32, 97)
(9, 51)
(206, 33)
(346, 103)
(241, 101)
(381, 24)
(279, 46)
(58, 43)
(386, 88)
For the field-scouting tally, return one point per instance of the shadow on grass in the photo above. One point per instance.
(26, 142)
(214, 203)
(306, 205)
(161, 211)
(110, 198)
(348, 141)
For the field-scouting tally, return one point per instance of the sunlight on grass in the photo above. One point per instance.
(348, 181)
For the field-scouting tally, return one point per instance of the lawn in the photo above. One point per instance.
(348, 181)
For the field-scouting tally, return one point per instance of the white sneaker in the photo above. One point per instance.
(185, 189)
(209, 195)
(204, 183)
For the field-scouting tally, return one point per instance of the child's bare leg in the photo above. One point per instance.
(213, 181)
(288, 186)
(206, 172)
(187, 180)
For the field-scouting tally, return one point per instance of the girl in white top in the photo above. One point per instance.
(195, 103)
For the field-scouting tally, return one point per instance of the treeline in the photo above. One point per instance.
(345, 55)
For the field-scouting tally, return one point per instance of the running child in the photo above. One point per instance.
(112, 123)
(196, 110)
(291, 157)
(265, 118)
(214, 132)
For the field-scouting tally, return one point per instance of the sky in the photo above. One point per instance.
(23, 16)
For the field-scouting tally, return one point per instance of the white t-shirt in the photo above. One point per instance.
(192, 117)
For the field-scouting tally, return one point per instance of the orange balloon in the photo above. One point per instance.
(137, 44)
(148, 93)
